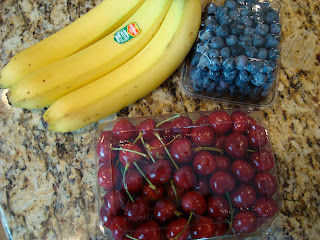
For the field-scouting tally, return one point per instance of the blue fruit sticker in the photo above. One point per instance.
(128, 32)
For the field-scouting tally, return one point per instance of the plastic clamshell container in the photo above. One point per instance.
(235, 58)
(214, 168)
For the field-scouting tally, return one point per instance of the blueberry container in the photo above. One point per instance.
(195, 175)
(236, 56)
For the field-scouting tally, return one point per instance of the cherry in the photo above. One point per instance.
(203, 227)
(204, 163)
(166, 131)
(146, 127)
(195, 202)
(159, 171)
(106, 217)
(202, 186)
(262, 160)
(181, 150)
(218, 141)
(222, 181)
(252, 121)
(133, 181)
(147, 231)
(104, 152)
(221, 229)
(156, 148)
(223, 162)
(244, 196)
(257, 136)
(164, 210)
(220, 121)
(174, 192)
(137, 211)
(202, 136)
(119, 227)
(265, 184)
(218, 208)
(202, 121)
(243, 171)
(176, 227)
(108, 176)
(114, 201)
(182, 125)
(240, 121)
(266, 207)
(244, 222)
(127, 156)
(124, 130)
(185, 178)
(152, 194)
(236, 145)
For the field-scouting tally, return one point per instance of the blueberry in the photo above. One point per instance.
(231, 40)
(225, 20)
(236, 50)
(213, 52)
(259, 79)
(203, 62)
(241, 1)
(195, 59)
(257, 40)
(246, 21)
(241, 62)
(245, 89)
(229, 77)
(236, 29)
(272, 17)
(243, 78)
(201, 47)
(251, 51)
(245, 41)
(210, 21)
(217, 42)
(198, 86)
(214, 64)
(212, 9)
(249, 31)
(210, 87)
(245, 10)
(221, 11)
(262, 29)
(255, 66)
(271, 41)
(222, 87)
(234, 14)
(258, 19)
(265, 6)
(229, 64)
(205, 35)
(273, 54)
(233, 90)
(267, 85)
(254, 94)
(222, 31)
(269, 67)
(230, 4)
(262, 53)
(225, 52)
(197, 74)
(275, 28)
(214, 75)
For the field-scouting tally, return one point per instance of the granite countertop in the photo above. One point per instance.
(47, 189)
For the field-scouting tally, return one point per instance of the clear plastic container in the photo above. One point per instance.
(236, 56)
(196, 175)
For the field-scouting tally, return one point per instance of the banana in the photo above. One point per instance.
(46, 85)
(88, 29)
(133, 80)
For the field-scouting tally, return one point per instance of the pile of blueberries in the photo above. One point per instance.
(237, 50)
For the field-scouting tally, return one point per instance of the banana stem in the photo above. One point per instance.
(167, 120)
(167, 151)
(145, 177)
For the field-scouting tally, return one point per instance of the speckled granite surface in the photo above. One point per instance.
(47, 190)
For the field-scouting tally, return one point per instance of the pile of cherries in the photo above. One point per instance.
(179, 179)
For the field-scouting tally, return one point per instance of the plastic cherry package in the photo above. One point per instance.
(186, 176)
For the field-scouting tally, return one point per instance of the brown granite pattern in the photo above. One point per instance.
(47, 190)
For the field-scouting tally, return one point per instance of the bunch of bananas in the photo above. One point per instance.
(106, 60)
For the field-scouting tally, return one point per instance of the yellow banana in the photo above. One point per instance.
(88, 29)
(46, 85)
(133, 80)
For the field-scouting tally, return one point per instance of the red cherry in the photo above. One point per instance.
(203, 227)
(218, 141)
(147, 231)
(240, 121)
(222, 181)
(221, 229)
(128, 157)
(164, 210)
(171, 193)
(202, 136)
(156, 148)
(236, 145)
(104, 152)
(262, 160)
(133, 181)
(185, 178)
(195, 202)
(165, 130)
(108, 176)
(146, 127)
(244, 196)
(266, 207)
(182, 125)
(120, 227)
(218, 208)
(223, 162)
(176, 226)
(257, 136)
(181, 150)
(204, 163)
(159, 172)
(202, 121)
(124, 130)
(243, 171)
(202, 186)
(266, 184)
(106, 217)
(220, 121)
(138, 211)
(114, 201)
(252, 121)
(244, 222)
(152, 194)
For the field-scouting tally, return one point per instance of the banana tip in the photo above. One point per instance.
(44, 123)
(8, 98)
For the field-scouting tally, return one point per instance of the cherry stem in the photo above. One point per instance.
(167, 120)
(128, 236)
(124, 181)
(145, 177)
(177, 213)
(175, 192)
(188, 222)
(198, 149)
(249, 150)
(231, 212)
(133, 151)
(138, 137)
(168, 143)
(148, 150)
(167, 151)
